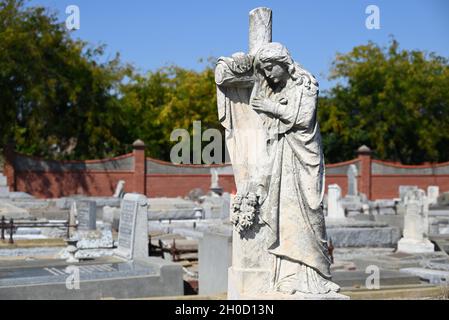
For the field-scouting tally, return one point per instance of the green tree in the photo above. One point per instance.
(168, 99)
(395, 101)
(57, 99)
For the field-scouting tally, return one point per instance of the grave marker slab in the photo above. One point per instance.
(133, 228)
(87, 215)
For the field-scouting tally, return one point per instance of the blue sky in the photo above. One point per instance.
(152, 34)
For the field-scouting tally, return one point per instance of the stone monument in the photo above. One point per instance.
(279, 239)
(87, 215)
(120, 189)
(335, 209)
(432, 194)
(416, 224)
(133, 227)
(352, 180)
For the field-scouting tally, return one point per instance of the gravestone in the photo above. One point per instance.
(214, 185)
(87, 215)
(416, 224)
(215, 255)
(432, 194)
(72, 219)
(352, 180)
(4, 189)
(120, 189)
(108, 277)
(404, 189)
(133, 227)
(280, 182)
(334, 207)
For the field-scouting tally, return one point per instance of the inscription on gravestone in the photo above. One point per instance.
(133, 227)
(127, 224)
(87, 215)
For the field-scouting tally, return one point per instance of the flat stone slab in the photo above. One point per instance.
(363, 237)
(352, 223)
(398, 260)
(430, 275)
(10, 211)
(357, 279)
(116, 279)
(296, 296)
(66, 202)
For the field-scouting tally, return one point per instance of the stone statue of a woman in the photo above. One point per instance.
(285, 96)
(277, 211)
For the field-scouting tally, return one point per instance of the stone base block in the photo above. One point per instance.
(247, 284)
(4, 192)
(413, 246)
(3, 181)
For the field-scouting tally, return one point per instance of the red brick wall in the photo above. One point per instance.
(59, 184)
(43, 182)
(167, 185)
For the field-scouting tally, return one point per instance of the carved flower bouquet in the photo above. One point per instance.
(244, 211)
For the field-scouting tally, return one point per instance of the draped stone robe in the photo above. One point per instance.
(289, 163)
(295, 178)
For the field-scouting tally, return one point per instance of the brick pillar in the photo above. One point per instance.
(9, 170)
(139, 167)
(364, 156)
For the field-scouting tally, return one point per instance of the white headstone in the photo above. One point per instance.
(432, 194)
(404, 189)
(352, 180)
(87, 215)
(120, 189)
(416, 224)
(335, 209)
(72, 219)
(133, 227)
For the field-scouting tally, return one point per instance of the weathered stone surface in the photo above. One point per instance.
(133, 229)
(432, 194)
(259, 96)
(111, 215)
(404, 189)
(352, 180)
(152, 277)
(95, 239)
(87, 215)
(335, 209)
(364, 237)
(416, 224)
(120, 189)
(432, 276)
(215, 258)
(11, 211)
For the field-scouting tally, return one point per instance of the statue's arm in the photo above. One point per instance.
(227, 75)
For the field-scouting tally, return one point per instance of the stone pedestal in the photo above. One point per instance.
(416, 224)
(415, 246)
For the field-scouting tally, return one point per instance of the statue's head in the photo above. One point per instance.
(275, 62)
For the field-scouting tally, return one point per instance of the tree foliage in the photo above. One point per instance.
(57, 99)
(395, 101)
(168, 99)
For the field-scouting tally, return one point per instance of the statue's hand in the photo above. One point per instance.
(264, 105)
(242, 62)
